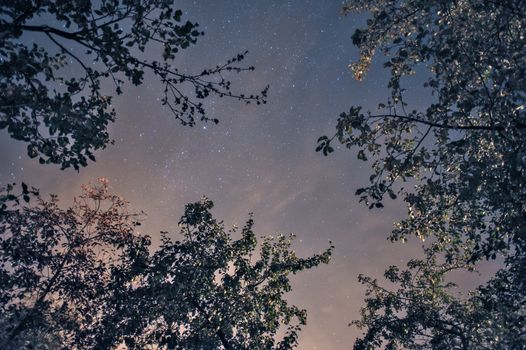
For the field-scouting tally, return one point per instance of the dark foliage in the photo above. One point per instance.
(81, 278)
(459, 164)
(63, 117)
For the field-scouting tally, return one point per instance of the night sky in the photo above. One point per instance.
(258, 159)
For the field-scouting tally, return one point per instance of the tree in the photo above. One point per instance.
(464, 153)
(84, 275)
(425, 311)
(63, 117)
(57, 265)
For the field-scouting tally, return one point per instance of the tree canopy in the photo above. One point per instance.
(63, 116)
(459, 164)
(425, 311)
(82, 278)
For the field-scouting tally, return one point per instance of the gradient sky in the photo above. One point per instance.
(258, 159)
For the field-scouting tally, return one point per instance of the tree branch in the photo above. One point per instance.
(219, 332)
(66, 51)
(444, 126)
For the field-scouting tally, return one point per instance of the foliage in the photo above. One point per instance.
(84, 275)
(63, 116)
(425, 311)
(57, 265)
(459, 162)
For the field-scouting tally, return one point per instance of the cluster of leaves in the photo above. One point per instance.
(466, 150)
(63, 117)
(424, 312)
(459, 164)
(57, 265)
(84, 275)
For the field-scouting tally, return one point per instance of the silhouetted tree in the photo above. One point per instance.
(84, 278)
(425, 311)
(63, 116)
(465, 155)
